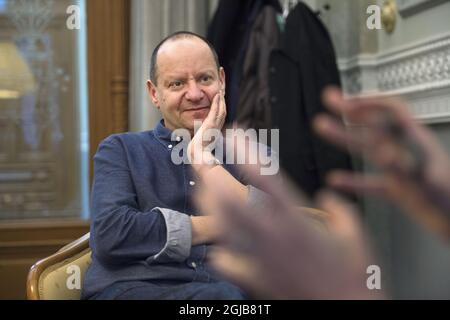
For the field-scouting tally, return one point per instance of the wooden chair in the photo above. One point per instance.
(60, 276)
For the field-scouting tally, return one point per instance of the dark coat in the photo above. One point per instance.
(299, 70)
(229, 33)
(253, 109)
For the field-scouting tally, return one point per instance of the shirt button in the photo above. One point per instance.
(272, 70)
(192, 183)
(194, 265)
(273, 99)
(170, 146)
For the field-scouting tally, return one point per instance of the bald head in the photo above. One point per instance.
(174, 37)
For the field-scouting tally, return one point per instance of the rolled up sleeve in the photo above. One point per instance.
(179, 237)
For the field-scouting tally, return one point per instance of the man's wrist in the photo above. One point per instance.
(206, 165)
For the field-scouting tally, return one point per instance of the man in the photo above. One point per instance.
(148, 239)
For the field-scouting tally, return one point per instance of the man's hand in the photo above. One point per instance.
(414, 168)
(277, 252)
(200, 148)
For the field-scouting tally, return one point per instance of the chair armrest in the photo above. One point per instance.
(38, 268)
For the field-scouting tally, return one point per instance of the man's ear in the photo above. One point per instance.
(222, 79)
(153, 93)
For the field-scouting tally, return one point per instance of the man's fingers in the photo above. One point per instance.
(333, 100)
(222, 107)
(357, 183)
(342, 219)
(217, 112)
(238, 268)
(376, 145)
(282, 191)
(336, 133)
(387, 124)
(215, 108)
(362, 108)
(406, 193)
(243, 230)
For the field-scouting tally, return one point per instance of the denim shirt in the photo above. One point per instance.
(141, 206)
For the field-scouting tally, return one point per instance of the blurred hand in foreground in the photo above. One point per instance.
(414, 167)
(275, 250)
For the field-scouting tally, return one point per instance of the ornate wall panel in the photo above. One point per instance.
(420, 72)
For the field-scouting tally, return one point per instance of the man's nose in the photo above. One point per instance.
(194, 93)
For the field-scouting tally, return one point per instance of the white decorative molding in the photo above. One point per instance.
(432, 106)
(419, 72)
(410, 7)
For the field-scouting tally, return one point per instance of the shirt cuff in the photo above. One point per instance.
(179, 237)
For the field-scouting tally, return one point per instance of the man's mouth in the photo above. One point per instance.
(197, 109)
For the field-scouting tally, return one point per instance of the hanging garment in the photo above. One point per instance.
(300, 69)
(229, 33)
(253, 108)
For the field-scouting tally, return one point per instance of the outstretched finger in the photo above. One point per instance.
(336, 133)
(357, 183)
(364, 110)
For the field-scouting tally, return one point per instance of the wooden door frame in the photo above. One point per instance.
(108, 32)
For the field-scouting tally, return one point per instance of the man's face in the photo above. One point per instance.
(187, 81)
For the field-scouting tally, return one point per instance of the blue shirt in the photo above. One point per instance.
(141, 206)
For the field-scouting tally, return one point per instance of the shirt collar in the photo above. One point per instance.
(162, 133)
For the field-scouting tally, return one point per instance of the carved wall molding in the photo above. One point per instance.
(419, 72)
(409, 7)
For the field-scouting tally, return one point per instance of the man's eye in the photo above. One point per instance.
(206, 78)
(175, 84)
